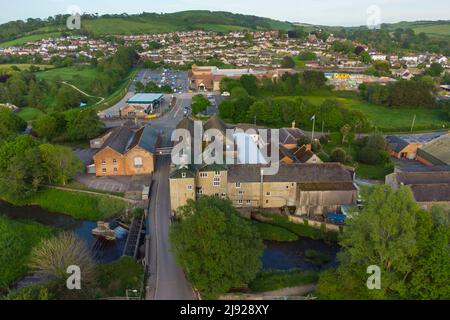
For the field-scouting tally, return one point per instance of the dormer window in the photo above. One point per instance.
(183, 175)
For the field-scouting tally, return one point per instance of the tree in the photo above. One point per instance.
(67, 98)
(218, 249)
(435, 70)
(46, 127)
(199, 104)
(345, 132)
(288, 62)
(372, 150)
(338, 155)
(10, 124)
(59, 163)
(83, 124)
(393, 233)
(53, 256)
(249, 83)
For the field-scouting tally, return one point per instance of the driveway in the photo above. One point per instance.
(109, 184)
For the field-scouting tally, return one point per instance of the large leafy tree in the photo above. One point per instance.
(393, 233)
(10, 124)
(82, 125)
(59, 163)
(218, 249)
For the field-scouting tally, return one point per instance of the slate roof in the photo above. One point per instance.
(326, 173)
(427, 186)
(396, 144)
(290, 135)
(123, 139)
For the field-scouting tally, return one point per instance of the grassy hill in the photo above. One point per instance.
(432, 28)
(19, 32)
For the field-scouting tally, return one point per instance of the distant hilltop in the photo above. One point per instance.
(146, 23)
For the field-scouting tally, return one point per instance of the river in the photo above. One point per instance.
(291, 255)
(109, 251)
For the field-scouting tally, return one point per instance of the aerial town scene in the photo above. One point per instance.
(225, 152)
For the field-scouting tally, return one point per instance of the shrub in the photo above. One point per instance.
(338, 155)
(274, 280)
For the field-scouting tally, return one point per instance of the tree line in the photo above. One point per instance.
(251, 101)
(403, 93)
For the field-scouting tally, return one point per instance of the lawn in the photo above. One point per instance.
(77, 205)
(17, 238)
(79, 76)
(29, 114)
(24, 66)
(300, 230)
(388, 119)
(273, 233)
(29, 38)
(275, 280)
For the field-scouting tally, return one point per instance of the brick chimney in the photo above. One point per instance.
(294, 124)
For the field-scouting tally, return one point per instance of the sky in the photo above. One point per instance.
(322, 12)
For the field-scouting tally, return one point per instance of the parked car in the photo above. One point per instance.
(226, 94)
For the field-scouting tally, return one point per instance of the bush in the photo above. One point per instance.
(274, 280)
(323, 156)
(115, 278)
(338, 155)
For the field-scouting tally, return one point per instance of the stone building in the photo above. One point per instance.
(312, 189)
(125, 151)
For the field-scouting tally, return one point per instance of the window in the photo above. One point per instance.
(189, 188)
(267, 201)
(217, 173)
(249, 202)
(216, 182)
(183, 175)
(224, 194)
(104, 170)
(103, 162)
(116, 170)
(138, 162)
(241, 201)
(268, 194)
(200, 191)
(241, 192)
(238, 185)
(114, 161)
(203, 174)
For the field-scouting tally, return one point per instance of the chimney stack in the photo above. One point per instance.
(294, 124)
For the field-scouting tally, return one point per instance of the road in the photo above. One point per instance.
(167, 280)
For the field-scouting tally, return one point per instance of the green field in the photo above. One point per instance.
(79, 76)
(29, 38)
(17, 238)
(388, 119)
(24, 66)
(77, 205)
(434, 29)
(29, 114)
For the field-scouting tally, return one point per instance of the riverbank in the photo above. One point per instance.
(17, 240)
(75, 204)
